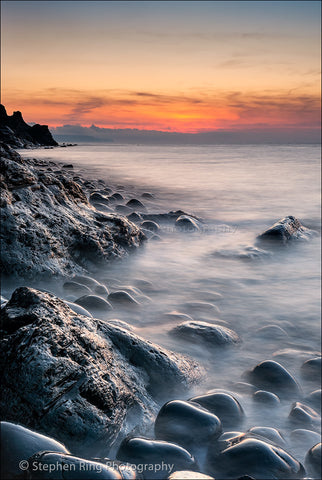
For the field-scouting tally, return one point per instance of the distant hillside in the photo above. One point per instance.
(14, 131)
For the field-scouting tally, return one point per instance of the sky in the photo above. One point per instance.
(174, 66)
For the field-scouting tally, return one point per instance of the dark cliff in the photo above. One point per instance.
(16, 132)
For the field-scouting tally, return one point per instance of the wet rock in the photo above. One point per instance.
(78, 309)
(48, 226)
(3, 300)
(269, 433)
(266, 398)
(253, 457)
(187, 424)
(157, 459)
(189, 475)
(68, 165)
(134, 217)
(99, 197)
(207, 333)
(19, 443)
(244, 387)
(86, 381)
(149, 225)
(68, 467)
(100, 290)
(85, 280)
(313, 460)
(224, 406)
(272, 376)
(94, 303)
(123, 209)
(117, 196)
(184, 223)
(102, 208)
(284, 231)
(147, 195)
(75, 288)
(121, 297)
(311, 369)
(304, 415)
(134, 203)
(314, 400)
(271, 331)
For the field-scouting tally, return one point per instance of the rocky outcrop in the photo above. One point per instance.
(48, 226)
(16, 132)
(79, 379)
(284, 231)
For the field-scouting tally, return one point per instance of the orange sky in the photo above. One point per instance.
(172, 66)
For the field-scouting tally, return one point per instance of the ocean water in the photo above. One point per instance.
(238, 191)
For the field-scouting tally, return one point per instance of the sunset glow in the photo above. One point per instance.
(169, 66)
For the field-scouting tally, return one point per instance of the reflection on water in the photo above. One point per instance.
(238, 191)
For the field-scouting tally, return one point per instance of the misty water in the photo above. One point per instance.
(238, 191)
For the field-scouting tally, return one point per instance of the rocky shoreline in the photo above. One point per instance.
(96, 385)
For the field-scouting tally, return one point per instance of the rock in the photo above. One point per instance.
(117, 196)
(186, 424)
(134, 203)
(189, 475)
(19, 443)
(94, 303)
(176, 316)
(284, 231)
(134, 217)
(269, 433)
(149, 225)
(147, 195)
(311, 369)
(254, 457)
(85, 280)
(48, 226)
(99, 197)
(102, 208)
(154, 459)
(75, 288)
(187, 224)
(120, 297)
(313, 460)
(84, 380)
(266, 398)
(3, 301)
(16, 132)
(123, 209)
(314, 399)
(304, 415)
(224, 406)
(69, 166)
(209, 334)
(270, 375)
(100, 290)
(244, 387)
(271, 331)
(200, 307)
(68, 467)
(78, 309)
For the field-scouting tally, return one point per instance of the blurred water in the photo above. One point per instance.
(246, 189)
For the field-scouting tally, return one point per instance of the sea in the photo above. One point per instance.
(214, 275)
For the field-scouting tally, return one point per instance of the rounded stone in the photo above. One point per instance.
(187, 424)
(19, 443)
(134, 217)
(121, 297)
(269, 433)
(311, 369)
(100, 290)
(123, 209)
(75, 288)
(254, 457)
(272, 376)
(98, 197)
(304, 438)
(149, 225)
(313, 460)
(78, 309)
(266, 398)
(209, 334)
(314, 399)
(85, 280)
(271, 331)
(135, 203)
(184, 223)
(147, 195)
(304, 415)
(156, 454)
(117, 196)
(224, 406)
(93, 302)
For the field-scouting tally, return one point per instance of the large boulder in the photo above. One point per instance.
(79, 379)
(48, 226)
(285, 230)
